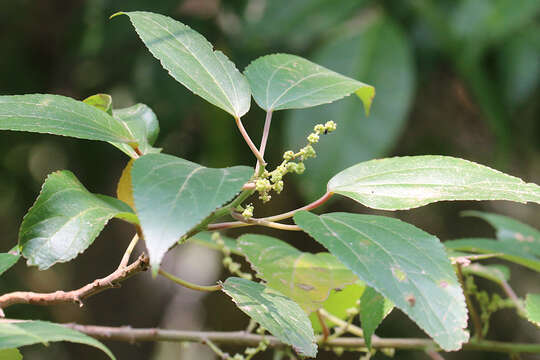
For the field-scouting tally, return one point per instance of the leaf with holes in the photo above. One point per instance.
(60, 115)
(402, 183)
(401, 262)
(306, 278)
(373, 309)
(65, 220)
(501, 249)
(510, 230)
(190, 59)
(278, 314)
(17, 334)
(283, 81)
(173, 195)
(532, 306)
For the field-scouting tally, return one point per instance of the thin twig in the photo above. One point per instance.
(188, 284)
(261, 221)
(355, 330)
(125, 259)
(472, 310)
(264, 140)
(434, 355)
(512, 295)
(76, 296)
(325, 331)
(249, 142)
(242, 338)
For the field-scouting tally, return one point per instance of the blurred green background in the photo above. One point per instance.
(453, 77)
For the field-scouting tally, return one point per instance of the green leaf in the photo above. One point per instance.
(503, 250)
(305, 278)
(360, 55)
(65, 220)
(278, 314)
(373, 309)
(401, 262)
(337, 304)
(17, 334)
(60, 115)
(532, 306)
(101, 101)
(139, 120)
(402, 183)
(173, 195)
(283, 81)
(190, 59)
(10, 354)
(510, 230)
(143, 124)
(7, 261)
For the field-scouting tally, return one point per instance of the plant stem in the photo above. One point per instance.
(255, 221)
(125, 259)
(512, 295)
(264, 140)
(270, 224)
(188, 284)
(355, 330)
(250, 143)
(474, 315)
(215, 349)
(242, 338)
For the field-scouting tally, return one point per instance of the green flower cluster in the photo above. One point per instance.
(273, 180)
(233, 267)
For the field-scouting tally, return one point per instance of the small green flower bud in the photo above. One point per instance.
(313, 138)
(226, 250)
(248, 212)
(215, 236)
(227, 260)
(238, 357)
(300, 168)
(338, 351)
(262, 185)
(288, 155)
(265, 197)
(319, 129)
(308, 152)
(234, 267)
(250, 351)
(260, 330)
(278, 187)
(330, 126)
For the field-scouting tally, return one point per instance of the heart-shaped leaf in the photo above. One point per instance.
(532, 306)
(305, 278)
(510, 230)
(173, 195)
(7, 261)
(401, 262)
(278, 314)
(283, 81)
(191, 60)
(402, 183)
(65, 220)
(60, 115)
(17, 334)
(502, 249)
(373, 309)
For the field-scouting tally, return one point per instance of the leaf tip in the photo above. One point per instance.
(366, 94)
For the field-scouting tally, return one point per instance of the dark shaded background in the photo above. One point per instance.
(453, 77)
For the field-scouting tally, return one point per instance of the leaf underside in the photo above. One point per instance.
(401, 262)
(281, 316)
(191, 60)
(305, 278)
(402, 183)
(173, 195)
(283, 81)
(65, 220)
(17, 334)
